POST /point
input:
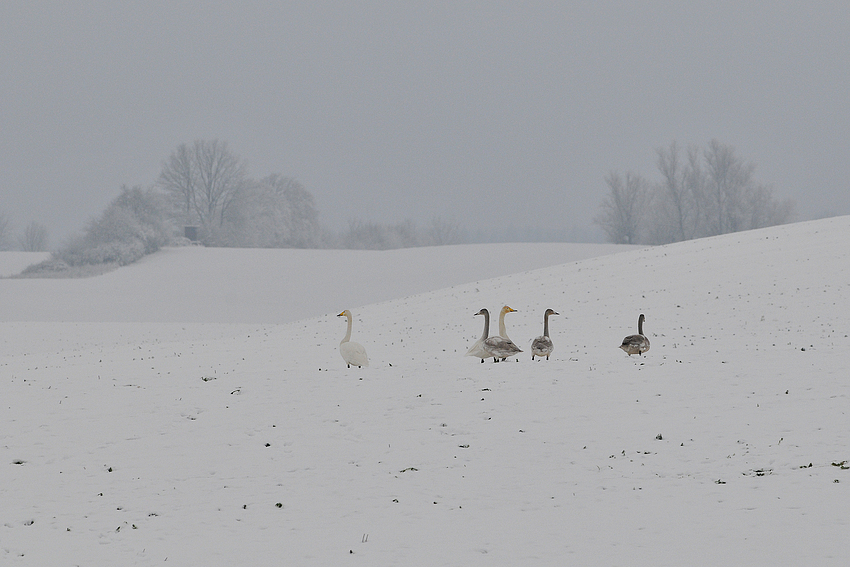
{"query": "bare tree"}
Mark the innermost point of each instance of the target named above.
(695, 180)
(729, 181)
(762, 209)
(675, 202)
(442, 231)
(204, 180)
(5, 232)
(179, 179)
(707, 192)
(33, 238)
(624, 208)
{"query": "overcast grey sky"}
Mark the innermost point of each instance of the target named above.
(494, 114)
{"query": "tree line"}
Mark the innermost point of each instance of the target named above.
(208, 187)
(204, 193)
(702, 192)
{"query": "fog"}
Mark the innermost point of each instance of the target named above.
(505, 117)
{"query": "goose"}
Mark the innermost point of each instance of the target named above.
(542, 345)
(478, 348)
(636, 344)
(501, 347)
(352, 353)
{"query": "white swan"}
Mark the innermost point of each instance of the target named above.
(478, 348)
(502, 331)
(542, 345)
(501, 347)
(636, 344)
(352, 353)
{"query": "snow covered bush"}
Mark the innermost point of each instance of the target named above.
(133, 225)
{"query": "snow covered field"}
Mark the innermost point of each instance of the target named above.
(227, 285)
(234, 434)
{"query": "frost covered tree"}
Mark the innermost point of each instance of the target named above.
(204, 180)
(134, 224)
(276, 212)
(296, 217)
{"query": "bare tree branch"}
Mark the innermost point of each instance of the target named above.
(206, 179)
(33, 238)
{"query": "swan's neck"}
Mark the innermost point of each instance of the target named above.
(546, 325)
(640, 325)
(348, 332)
(502, 331)
(486, 332)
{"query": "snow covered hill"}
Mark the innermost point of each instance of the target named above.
(260, 285)
(252, 443)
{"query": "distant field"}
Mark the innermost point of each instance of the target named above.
(227, 285)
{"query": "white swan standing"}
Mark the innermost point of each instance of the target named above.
(501, 347)
(352, 353)
(478, 348)
(636, 344)
(542, 345)
(502, 331)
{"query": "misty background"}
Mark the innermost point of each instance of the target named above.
(503, 117)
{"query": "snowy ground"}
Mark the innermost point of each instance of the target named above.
(235, 441)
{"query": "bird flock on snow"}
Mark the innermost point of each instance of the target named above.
(499, 347)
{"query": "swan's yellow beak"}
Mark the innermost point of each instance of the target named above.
(341, 314)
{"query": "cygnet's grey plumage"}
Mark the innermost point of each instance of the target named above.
(501, 347)
(542, 345)
(636, 344)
